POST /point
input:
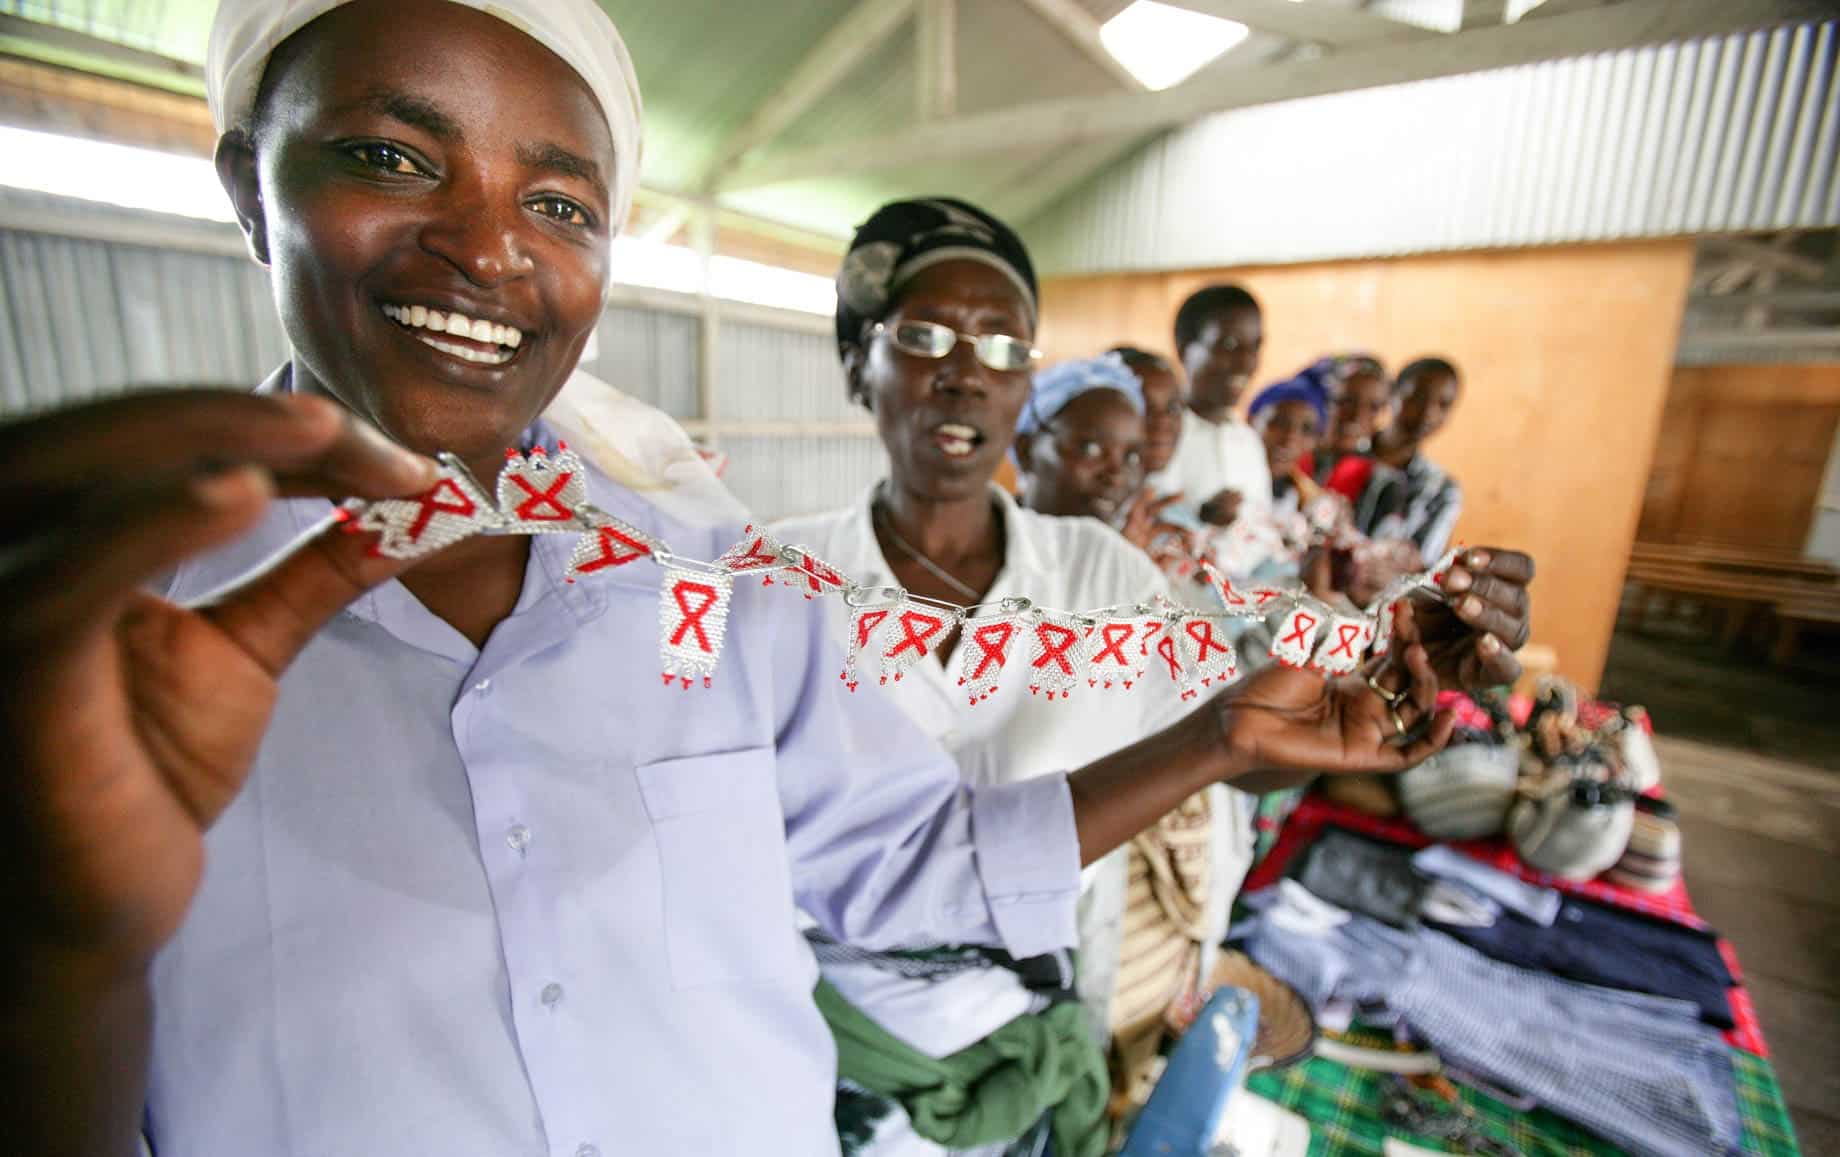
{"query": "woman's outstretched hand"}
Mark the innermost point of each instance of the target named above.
(128, 723)
(1281, 726)
(1472, 637)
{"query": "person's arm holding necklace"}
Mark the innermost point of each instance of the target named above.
(129, 722)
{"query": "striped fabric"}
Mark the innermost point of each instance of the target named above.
(1165, 925)
(1651, 863)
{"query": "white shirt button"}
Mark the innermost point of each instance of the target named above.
(551, 995)
(518, 838)
(587, 1150)
(482, 686)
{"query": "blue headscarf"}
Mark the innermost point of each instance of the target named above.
(1057, 386)
(1310, 386)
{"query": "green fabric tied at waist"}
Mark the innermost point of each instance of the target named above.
(993, 1090)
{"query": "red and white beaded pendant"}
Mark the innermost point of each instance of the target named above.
(1059, 652)
(541, 495)
(1207, 657)
(985, 652)
(914, 630)
(454, 508)
(692, 621)
(1119, 648)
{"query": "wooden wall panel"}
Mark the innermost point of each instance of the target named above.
(1566, 353)
(1742, 454)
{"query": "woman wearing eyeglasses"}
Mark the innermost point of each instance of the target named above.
(935, 324)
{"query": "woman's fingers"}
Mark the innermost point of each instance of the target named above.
(274, 613)
(310, 444)
(1428, 743)
(1422, 691)
(59, 580)
(1508, 626)
(1490, 664)
(1510, 565)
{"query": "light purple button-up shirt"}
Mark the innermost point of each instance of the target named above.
(530, 900)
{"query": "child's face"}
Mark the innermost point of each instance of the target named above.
(1224, 356)
(1362, 407)
(1290, 431)
(1426, 403)
(1163, 402)
(1089, 459)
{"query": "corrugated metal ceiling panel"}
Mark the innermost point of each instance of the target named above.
(1729, 134)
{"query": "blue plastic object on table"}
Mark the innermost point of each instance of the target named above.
(1208, 1067)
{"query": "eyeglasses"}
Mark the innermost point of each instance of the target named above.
(926, 339)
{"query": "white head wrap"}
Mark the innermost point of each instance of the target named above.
(247, 32)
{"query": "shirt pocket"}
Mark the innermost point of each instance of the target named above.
(728, 911)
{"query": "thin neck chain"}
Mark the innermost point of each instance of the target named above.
(912, 552)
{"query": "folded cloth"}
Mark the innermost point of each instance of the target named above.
(1363, 875)
(1596, 944)
(993, 1091)
(1641, 1071)
(1540, 905)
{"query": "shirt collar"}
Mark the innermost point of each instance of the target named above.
(1021, 551)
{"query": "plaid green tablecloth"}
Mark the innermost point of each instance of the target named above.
(1344, 1108)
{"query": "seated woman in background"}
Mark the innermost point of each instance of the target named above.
(1424, 396)
(936, 341)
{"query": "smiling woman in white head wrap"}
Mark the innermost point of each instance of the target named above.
(634, 444)
(428, 860)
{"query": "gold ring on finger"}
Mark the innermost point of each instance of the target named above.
(1387, 697)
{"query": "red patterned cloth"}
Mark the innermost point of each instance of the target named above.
(1307, 822)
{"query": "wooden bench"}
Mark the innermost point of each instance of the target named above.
(1794, 614)
(1797, 590)
(1736, 559)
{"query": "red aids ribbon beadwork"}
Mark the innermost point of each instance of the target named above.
(451, 509)
(1058, 654)
(864, 622)
(1343, 645)
(756, 552)
(1265, 599)
(917, 629)
(1206, 653)
(1297, 632)
(692, 621)
(539, 494)
(1171, 656)
(1230, 597)
(986, 650)
(612, 543)
(812, 578)
(1119, 652)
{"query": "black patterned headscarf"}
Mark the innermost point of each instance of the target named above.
(905, 237)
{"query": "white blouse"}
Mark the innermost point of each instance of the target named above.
(1215, 456)
(1069, 564)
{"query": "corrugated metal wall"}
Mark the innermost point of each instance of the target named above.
(81, 317)
(1730, 134)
